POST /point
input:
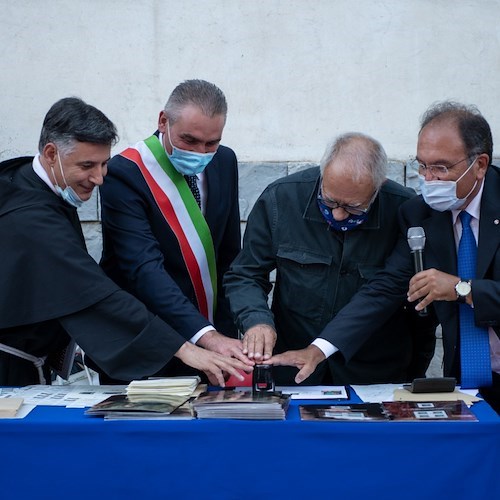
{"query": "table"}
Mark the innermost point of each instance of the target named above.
(60, 452)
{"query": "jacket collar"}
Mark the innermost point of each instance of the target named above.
(438, 227)
(489, 222)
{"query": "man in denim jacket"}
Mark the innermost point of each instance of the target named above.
(326, 232)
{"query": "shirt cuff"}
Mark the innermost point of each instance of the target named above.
(325, 347)
(197, 336)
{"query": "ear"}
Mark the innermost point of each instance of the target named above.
(482, 163)
(162, 122)
(49, 153)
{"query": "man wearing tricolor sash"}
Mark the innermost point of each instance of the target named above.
(171, 224)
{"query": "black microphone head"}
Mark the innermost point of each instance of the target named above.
(416, 238)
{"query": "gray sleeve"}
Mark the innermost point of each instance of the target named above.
(247, 283)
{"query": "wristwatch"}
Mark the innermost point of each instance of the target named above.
(463, 289)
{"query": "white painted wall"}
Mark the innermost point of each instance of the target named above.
(295, 72)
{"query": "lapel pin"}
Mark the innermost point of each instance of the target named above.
(496, 222)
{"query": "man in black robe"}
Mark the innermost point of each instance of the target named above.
(52, 290)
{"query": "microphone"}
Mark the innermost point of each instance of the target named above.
(416, 241)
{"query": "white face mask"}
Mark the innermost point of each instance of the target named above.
(442, 195)
(68, 194)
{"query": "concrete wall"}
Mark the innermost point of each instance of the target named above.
(295, 72)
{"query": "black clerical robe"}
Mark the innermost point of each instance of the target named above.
(52, 289)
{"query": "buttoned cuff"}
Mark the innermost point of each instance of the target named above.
(325, 347)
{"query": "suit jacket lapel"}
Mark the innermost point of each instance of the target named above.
(441, 241)
(213, 184)
(489, 222)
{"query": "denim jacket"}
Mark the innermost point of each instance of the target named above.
(318, 270)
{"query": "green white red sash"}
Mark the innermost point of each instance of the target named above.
(182, 214)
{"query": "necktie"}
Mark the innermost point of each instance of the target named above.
(192, 183)
(474, 340)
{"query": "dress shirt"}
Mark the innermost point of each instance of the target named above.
(40, 171)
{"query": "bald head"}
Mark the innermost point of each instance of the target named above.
(358, 157)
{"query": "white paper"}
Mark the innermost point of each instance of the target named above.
(24, 410)
(376, 393)
(86, 396)
(314, 391)
(71, 396)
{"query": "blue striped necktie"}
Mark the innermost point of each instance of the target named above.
(474, 340)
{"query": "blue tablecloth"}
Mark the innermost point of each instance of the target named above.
(61, 453)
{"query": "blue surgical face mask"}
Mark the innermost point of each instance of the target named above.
(68, 194)
(348, 224)
(188, 162)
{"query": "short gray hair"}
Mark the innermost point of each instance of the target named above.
(71, 120)
(205, 95)
(367, 155)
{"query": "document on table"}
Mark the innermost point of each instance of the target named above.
(71, 396)
(315, 391)
(24, 409)
(378, 393)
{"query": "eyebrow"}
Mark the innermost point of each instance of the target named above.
(438, 162)
(189, 137)
(85, 163)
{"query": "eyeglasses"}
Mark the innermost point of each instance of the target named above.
(332, 204)
(435, 170)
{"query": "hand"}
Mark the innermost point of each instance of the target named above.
(431, 285)
(213, 364)
(306, 360)
(259, 341)
(216, 342)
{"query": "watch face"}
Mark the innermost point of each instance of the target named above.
(462, 288)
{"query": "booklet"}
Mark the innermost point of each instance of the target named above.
(241, 405)
(9, 407)
(183, 412)
(122, 403)
(158, 388)
(395, 411)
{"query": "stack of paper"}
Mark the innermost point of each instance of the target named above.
(9, 407)
(241, 405)
(152, 399)
(162, 389)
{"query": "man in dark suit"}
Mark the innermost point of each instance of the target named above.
(454, 154)
(170, 219)
(52, 290)
(326, 231)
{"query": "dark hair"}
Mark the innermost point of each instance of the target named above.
(474, 130)
(72, 120)
(207, 96)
